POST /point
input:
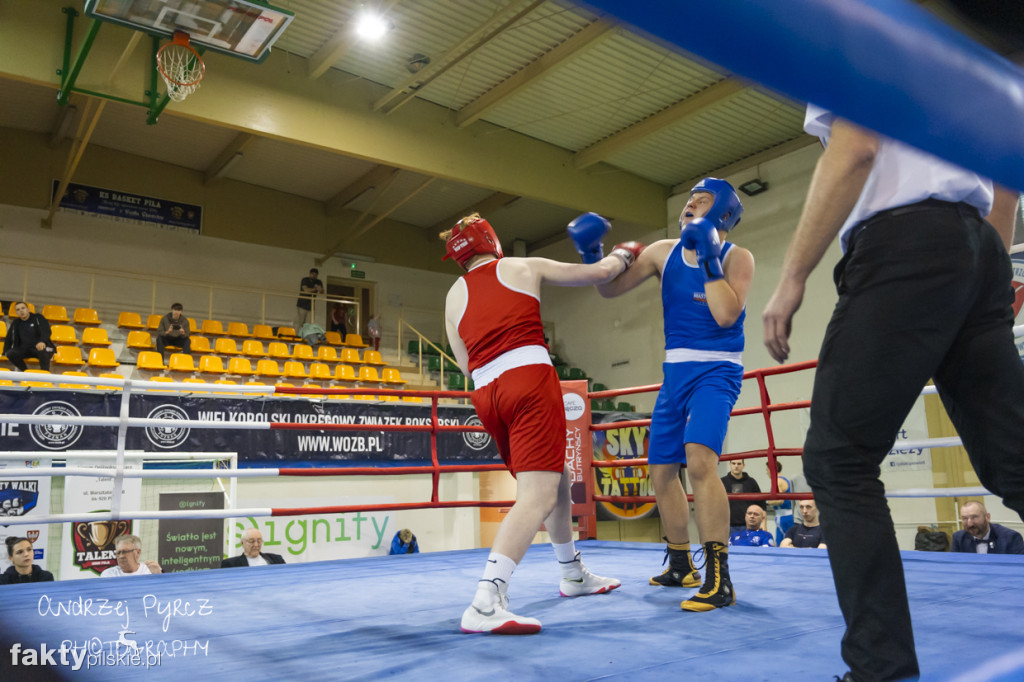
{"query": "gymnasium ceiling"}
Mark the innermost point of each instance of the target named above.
(529, 111)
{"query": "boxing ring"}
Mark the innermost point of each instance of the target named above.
(397, 616)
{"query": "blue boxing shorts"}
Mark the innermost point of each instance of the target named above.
(693, 407)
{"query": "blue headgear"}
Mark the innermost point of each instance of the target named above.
(726, 202)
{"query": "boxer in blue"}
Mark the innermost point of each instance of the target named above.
(704, 284)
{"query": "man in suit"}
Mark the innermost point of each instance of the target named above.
(981, 536)
(252, 543)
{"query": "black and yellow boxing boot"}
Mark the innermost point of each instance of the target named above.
(717, 590)
(680, 572)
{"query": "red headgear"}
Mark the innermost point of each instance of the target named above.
(471, 237)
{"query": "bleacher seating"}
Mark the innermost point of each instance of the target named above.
(392, 376)
(319, 371)
(434, 365)
(3, 330)
(95, 336)
(87, 317)
(199, 344)
(103, 358)
(213, 328)
(239, 330)
(150, 361)
(225, 346)
(130, 321)
(293, 369)
(55, 314)
(368, 375)
(253, 348)
(287, 333)
(74, 373)
(240, 367)
(278, 350)
(354, 341)
(110, 375)
(153, 321)
(327, 354)
(350, 356)
(268, 368)
(211, 364)
(63, 335)
(263, 331)
(334, 338)
(68, 355)
(139, 340)
(372, 357)
(345, 374)
(182, 362)
(303, 352)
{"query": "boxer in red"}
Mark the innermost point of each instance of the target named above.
(492, 315)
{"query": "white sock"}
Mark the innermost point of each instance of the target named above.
(566, 554)
(498, 571)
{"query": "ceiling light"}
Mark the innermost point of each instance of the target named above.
(371, 26)
(417, 62)
(753, 187)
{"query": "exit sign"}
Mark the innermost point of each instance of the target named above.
(358, 274)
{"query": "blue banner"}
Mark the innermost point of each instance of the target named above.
(127, 207)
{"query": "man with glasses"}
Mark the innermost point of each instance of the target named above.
(128, 549)
(252, 543)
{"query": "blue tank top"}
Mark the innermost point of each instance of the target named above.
(688, 321)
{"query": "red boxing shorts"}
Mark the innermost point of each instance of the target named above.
(522, 410)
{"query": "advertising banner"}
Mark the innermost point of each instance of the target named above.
(132, 208)
(625, 443)
(190, 544)
(25, 497)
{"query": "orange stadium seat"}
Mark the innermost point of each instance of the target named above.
(153, 321)
(345, 373)
(333, 338)
(263, 331)
(213, 328)
(294, 370)
(319, 371)
(354, 341)
(130, 321)
(87, 316)
(392, 376)
(139, 340)
(368, 375)
(200, 344)
(268, 368)
(95, 336)
(301, 351)
(351, 356)
(68, 355)
(102, 358)
(55, 313)
(240, 367)
(278, 350)
(239, 330)
(253, 348)
(182, 362)
(327, 354)
(211, 364)
(150, 361)
(372, 357)
(225, 346)
(63, 335)
(74, 373)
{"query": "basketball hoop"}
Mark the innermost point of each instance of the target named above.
(180, 66)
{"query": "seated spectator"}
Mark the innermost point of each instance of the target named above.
(808, 533)
(128, 549)
(374, 329)
(738, 481)
(981, 536)
(173, 331)
(752, 535)
(252, 543)
(404, 542)
(19, 551)
(28, 336)
(783, 508)
(338, 317)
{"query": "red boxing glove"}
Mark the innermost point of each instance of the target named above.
(628, 252)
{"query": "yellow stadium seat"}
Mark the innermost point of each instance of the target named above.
(37, 384)
(351, 356)
(240, 367)
(162, 380)
(225, 346)
(139, 340)
(150, 361)
(255, 383)
(284, 384)
(345, 373)
(319, 371)
(338, 396)
(153, 321)
(130, 321)
(333, 338)
(68, 355)
(111, 376)
(87, 316)
(392, 376)
(253, 348)
(354, 341)
(200, 344)
(268, 368)
(368, 375)
(194, 380)
(263, 331)
(10, 308)
(6, 382)
(287, 333)
(181, 362)
(211, 364)
(412, 399)
(3, 330)
(372, 357)
(193, 326)
(327, 354)
(213, 328)
(301, 351)
(71, 385)
(95, 336)
(63, 335)
(226, 382)
(240, 330)
(56, 313)
(102, 358)
(278, 350)
(294, 370)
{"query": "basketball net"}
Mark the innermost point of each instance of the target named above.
(180, 66)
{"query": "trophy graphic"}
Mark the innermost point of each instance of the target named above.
(101, 534)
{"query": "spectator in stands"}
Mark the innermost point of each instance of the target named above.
(374, 329)
(738, 481)
(404, 542)
(751, 535)
(338, 317)
(981, 536)
(173, 331)
(783, 508)
(252, 543)
(128, 549)
(28, 336)
(808, 533)
(19, 552)
(308, 288)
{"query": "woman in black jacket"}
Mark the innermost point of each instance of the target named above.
(19, 551)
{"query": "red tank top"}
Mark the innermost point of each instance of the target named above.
(497, 319)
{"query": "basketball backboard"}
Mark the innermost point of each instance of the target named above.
(240, 28)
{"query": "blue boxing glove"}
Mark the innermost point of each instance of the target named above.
(701, 236)
(586, 232)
